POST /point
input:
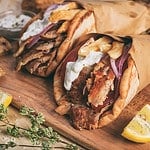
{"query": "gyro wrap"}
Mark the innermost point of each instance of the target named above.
(102, 89)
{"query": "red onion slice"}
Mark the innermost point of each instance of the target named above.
(114, 68)
(37, 37)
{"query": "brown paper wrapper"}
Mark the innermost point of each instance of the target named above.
(120, 17)
(140, 52)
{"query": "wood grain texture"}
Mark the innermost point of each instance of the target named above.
(37, 93)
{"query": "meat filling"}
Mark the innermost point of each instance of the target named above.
(84, 118)
(76, 94)
(103, 79)
(91, 93)
(41, 54)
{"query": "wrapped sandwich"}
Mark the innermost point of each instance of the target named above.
(50, 36)
(46, 40)
(100, 76)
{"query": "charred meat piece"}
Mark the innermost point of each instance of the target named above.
(84, 117)
(47, 46)
(29, 57)
(76, 93)
(54, 29)
(33, 65)
(30, 5)
(59, 40)
(103, 81)
(91, 93)
(40, 65)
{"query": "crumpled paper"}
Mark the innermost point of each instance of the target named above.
(140, 52)
(119, 17)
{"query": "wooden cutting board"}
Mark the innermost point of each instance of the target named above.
(37, 93)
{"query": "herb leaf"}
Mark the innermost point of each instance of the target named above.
(40, 135)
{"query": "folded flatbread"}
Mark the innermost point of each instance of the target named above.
(50, 36)
(100, 76)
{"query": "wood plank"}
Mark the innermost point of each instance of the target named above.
(15, 118)
(37, 93)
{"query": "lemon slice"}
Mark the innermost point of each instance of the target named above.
(138, 129)
(5, 98)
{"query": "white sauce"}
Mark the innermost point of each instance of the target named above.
(38, 26)
(11, 21)
(35, 28)
(73, 68)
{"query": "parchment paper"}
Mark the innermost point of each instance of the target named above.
(140, 52)
(120, 17)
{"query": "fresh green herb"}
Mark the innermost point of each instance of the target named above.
(7, 145)
(13, 131)
(37, 133)
(3, 112)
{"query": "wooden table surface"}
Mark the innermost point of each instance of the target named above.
(37, 93)
(15, 118)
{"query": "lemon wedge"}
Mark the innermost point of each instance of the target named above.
(5, 98)
(138, 129)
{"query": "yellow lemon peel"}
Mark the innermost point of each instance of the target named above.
(138, 129)
(5, 98)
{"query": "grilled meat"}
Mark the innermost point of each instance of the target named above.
(90, 93)
(103, 80)
(84, 117)
(76, 93)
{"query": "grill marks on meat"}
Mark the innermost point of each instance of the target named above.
(40, 65)
(103, 79)
(38, 57)
(28, 57)
(45, 47)
(94, 84)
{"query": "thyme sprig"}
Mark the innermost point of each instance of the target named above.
(3, 112)
(40, 136)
